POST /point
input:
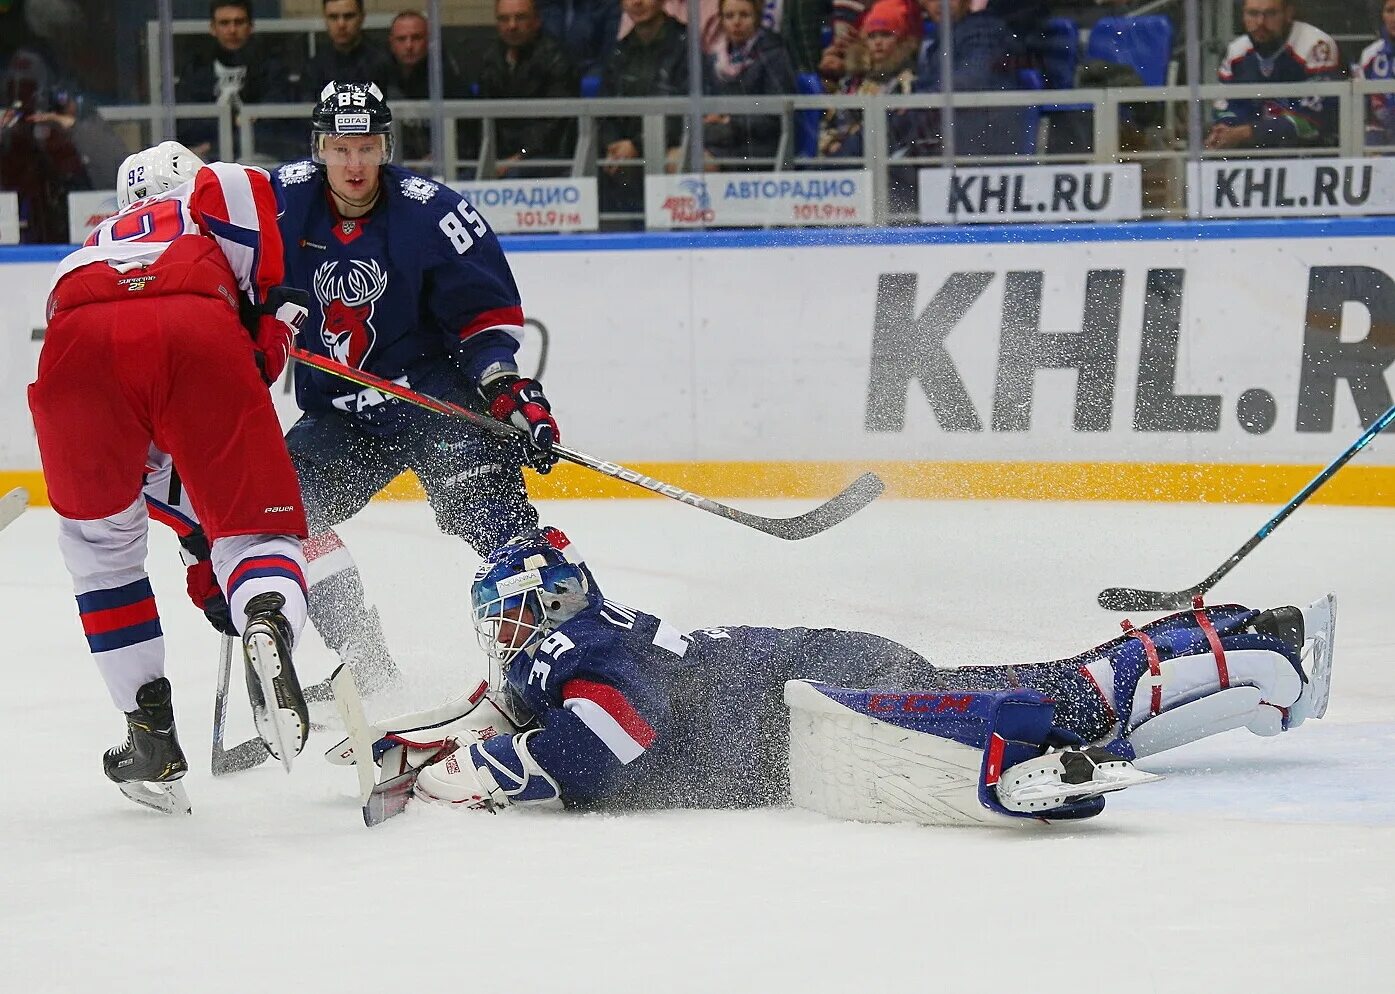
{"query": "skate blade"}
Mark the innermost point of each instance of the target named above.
(1320, 624)
(168, 797)
(1052, 792)
(281, 728)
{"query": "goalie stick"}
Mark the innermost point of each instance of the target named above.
(380, 801)
(1134, 599)
(244, 755)
(12, 505)
(857, 495)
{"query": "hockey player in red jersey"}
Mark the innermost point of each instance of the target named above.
(146, 360)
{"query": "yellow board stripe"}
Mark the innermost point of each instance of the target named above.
(1205, 482)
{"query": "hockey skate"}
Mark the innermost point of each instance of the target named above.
(1319, 630)
(278, 706)
(1065, 777)
(148, 767)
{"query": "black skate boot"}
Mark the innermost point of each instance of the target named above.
(148, 767)
(1283, 623)
(278, 706)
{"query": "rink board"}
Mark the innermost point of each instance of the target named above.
(1214, 361)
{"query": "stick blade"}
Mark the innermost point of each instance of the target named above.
(389, 799)
(240, 758)
(1133, 599)
(12, 505)
(853, 498)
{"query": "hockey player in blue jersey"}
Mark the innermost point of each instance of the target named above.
(598, 704)
(1377, 61)
(407, 282)
(1277, 48)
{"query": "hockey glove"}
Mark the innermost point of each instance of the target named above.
(278, 322)
(521, 403)
(203, 585)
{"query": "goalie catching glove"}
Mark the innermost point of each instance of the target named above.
(520, 402)
(408, 742)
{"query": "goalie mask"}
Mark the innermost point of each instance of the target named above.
(346, 114)
(527, 588)
(154, 170)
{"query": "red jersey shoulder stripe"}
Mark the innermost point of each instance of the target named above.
(610, 716)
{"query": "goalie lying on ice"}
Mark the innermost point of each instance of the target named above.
(599, 705)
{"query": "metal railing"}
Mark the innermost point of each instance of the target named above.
(1169, 149)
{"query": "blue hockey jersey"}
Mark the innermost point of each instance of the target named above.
(1309, 55)
(638, 714)
(417, 291)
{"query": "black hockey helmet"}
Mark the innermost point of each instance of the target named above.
(348, 109)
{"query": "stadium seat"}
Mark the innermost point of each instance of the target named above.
(806, 122)
(1145, 43)
(1030, 79)
(1058, 48)
(1060, 53)
(591, 85)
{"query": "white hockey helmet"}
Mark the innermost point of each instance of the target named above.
(154, 170)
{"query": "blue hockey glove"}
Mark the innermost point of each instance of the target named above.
(520, 402)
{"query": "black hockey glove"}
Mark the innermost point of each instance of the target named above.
(520, 402)
(203, 585)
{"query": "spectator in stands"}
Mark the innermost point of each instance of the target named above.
(802, 23)
(349, 57)
(1277, 48)
(650, 61)
(408, 80)
(881, 60)
(1026, 17)
(747, 60)
(39, 160)
(708, 13)
(985, 54)
(237, 70)
(1378, 62)
(848, 31)
(524, 63)
(586, 29)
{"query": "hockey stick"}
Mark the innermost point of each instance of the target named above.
(380, 801)
(244, 755)
(1133, 599)
(857, 495)
(12, 505)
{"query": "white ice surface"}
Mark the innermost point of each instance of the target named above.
(1263, 865)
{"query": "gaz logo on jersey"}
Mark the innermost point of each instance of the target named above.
(346, 292)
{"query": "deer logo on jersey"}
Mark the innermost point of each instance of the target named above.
(347, 297)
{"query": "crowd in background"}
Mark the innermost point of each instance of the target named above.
(52, 141)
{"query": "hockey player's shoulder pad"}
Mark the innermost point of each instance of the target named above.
(1235, 53)
(447, 224)
(1370, 63)
(1313, 48)
(416, 191)
(297, 185)
(297, 178)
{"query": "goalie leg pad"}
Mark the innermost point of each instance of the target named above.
(930, 758)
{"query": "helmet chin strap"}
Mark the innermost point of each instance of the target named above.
(362, 207)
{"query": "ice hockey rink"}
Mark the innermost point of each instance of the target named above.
(1258, 865)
